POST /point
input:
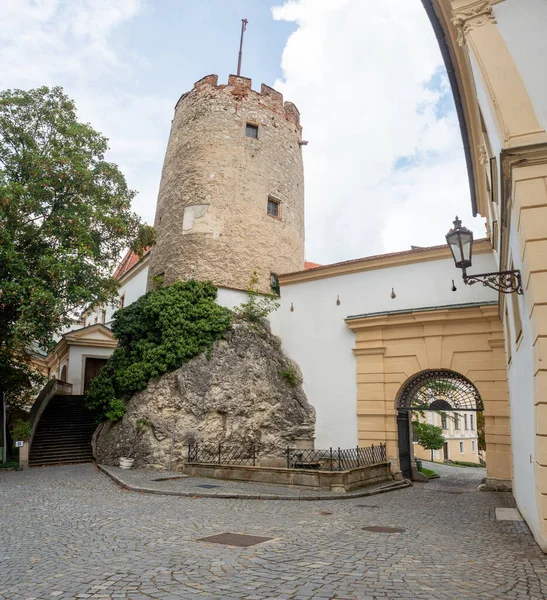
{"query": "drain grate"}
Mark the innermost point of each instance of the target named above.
(376, 529)
(208, 486)
(170, 478)
(234, 539)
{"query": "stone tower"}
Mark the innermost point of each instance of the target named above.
(231, 198)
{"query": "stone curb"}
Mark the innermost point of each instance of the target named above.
(389, 487)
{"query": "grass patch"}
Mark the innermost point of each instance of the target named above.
(12, 463)
(429, 473)
(455, 463)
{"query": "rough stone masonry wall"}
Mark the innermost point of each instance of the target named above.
(237, 395)
(211, 218)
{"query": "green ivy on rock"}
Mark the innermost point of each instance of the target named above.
(156, 334)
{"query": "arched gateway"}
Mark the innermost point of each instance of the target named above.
(462, 347)
(431, 390)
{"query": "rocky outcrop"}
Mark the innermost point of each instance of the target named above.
(245, 391)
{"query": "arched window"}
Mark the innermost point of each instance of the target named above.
(63, 373)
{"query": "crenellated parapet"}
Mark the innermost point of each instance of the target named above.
(240, 88)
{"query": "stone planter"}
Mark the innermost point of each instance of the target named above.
(126, 463)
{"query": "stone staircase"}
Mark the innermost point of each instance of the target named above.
(63, 434)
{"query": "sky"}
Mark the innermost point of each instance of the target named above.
(384, 167)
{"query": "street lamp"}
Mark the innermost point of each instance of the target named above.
(460, 241)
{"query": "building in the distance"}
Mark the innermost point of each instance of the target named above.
(460, 432)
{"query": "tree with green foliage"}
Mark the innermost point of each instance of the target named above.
(65, 220)
(430, 437)
(258, 306)
(481, 437)
(156, 334)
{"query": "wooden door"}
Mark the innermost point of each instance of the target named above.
(445, 451)
(92, 368)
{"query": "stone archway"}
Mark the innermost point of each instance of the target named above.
(431, 390)
(391, 348)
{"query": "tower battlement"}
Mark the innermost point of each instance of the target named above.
(241, 88)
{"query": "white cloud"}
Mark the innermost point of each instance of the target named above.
(73, 43)
(359, 70)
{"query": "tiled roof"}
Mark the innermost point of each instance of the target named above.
(414, 250)
(310, 265)
(128, 262)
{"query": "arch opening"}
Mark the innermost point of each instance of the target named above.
(439, 389)
(454, 399)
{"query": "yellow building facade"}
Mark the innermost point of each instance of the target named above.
(495, 52)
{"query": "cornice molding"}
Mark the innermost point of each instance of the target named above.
(383, 261)
(474, 15)
(488, 311)
(369, 351)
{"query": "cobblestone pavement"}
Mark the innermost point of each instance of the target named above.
(69, 532)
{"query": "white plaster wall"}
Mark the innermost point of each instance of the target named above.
(523, 23)
(521, 393)
(317, 338)
(231, 298)
(76, 364)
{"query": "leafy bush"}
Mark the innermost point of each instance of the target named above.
(258, 306)
(21, 430)
(156, 334)
(290, 375)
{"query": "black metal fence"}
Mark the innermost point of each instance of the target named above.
(222, 454)
(333, 459)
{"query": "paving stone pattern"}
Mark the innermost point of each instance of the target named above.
(70, 532)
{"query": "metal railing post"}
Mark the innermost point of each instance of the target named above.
(331, 458)
(339, 457)
(288, 457)
(219, 451)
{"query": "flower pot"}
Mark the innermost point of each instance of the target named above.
(126, 463)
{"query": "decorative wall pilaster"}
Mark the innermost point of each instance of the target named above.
(476, 26)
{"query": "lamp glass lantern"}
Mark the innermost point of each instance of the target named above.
(460, 241)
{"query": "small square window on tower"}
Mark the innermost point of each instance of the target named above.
(251, 130)
(273, 207)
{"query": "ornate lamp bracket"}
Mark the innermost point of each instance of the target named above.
(506, 282)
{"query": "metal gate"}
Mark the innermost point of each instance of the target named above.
(403, 429)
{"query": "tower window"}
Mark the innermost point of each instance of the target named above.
(251, 130)
(273, 207)
(122, 300)
(274, 283)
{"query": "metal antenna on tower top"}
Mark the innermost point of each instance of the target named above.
(243, 28)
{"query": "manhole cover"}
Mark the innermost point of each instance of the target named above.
(234, 539)
(169, 478)
(376, 529)
(208, 486)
